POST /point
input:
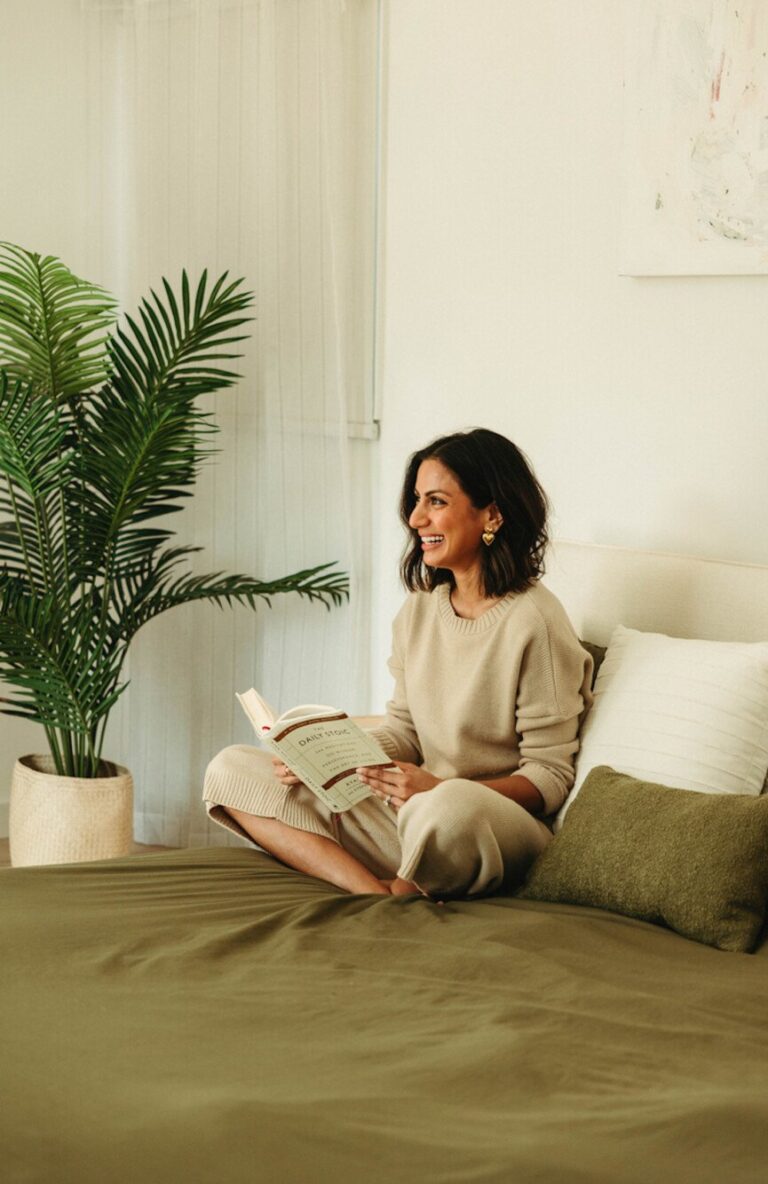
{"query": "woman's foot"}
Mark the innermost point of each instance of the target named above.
(398, 887)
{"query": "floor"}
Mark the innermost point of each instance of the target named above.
(138, 848)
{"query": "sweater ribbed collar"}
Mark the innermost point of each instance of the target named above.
(480, 624)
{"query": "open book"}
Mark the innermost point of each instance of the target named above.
(321, 745)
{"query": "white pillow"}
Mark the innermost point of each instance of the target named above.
(688, 714)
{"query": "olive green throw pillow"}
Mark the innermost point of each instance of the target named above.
(696, 862)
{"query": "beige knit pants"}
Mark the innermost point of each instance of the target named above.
(458, 839)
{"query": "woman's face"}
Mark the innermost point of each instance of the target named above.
(449, 525)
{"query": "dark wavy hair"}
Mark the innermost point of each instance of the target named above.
(489, 468)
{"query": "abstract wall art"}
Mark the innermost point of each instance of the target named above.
(695, 195)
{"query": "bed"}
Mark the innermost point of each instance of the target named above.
(208, 1014)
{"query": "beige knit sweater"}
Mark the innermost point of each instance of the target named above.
(484, 698)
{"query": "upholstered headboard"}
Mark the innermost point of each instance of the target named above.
(602, 587)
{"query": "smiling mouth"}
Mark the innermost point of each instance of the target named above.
(431, 540)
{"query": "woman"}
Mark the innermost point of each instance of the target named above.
(490, 687)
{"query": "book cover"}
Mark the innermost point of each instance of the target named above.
(321, 745)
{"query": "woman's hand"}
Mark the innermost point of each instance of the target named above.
(398, 782)
(284, 774)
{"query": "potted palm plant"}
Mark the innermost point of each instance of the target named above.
(101, 435)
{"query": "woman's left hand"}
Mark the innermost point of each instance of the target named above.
(398, 782)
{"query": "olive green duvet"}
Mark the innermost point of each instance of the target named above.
(209, 1016)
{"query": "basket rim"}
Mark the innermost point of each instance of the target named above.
(32, 761)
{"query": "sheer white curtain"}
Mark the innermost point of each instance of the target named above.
(241, 135)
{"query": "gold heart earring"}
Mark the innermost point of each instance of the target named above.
(488, 536)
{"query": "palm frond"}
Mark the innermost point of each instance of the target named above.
(31, 440)
(138, 466)
(151, 593)
(53, 326)
(62, 676)
(146, 437)
(35, 465)
(20, 551)
(167, 355)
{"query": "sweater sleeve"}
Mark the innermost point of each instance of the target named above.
(397, 735)
(552, 697)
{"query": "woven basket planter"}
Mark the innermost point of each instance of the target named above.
(57, 819)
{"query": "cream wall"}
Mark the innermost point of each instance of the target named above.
(643, 403)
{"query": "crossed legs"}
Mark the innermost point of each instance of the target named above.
(316, 856)
(459, 839)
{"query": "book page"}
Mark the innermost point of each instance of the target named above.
(259, 712)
